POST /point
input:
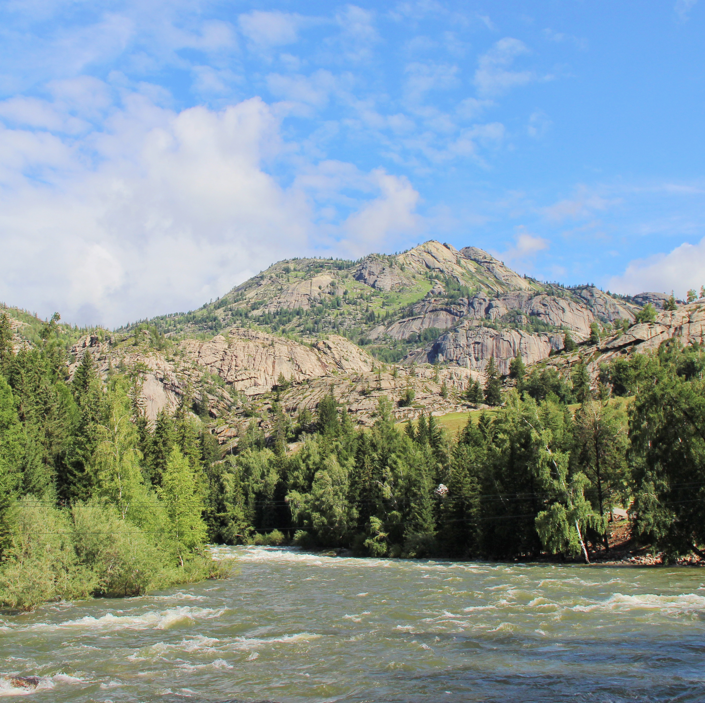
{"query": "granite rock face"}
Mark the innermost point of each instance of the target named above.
(497, 268)
(687, 324)
(380, 274)
(252, 361)
(471, 346)
(658, 300)
(605, 307)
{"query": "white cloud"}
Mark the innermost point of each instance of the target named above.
(311, 90)
(358, 34)
(683, 8)
(167, 210)
(423, 77)
(678, 271)
(494, 75)
(269, 29)
(379, 221)
(561, 37)
(470, 108)
(526, 247)
(583, 204)
(539, 124)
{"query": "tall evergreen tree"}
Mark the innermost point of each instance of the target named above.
(517, 369)
(493, 385)
(581, 382)
(6, 348)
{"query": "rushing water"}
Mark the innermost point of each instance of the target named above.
(294, 627)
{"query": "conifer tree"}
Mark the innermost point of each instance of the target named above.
(327, 421)
(569, 344)
(493, 385)
(517, 369)
(601, 443)
(6, 350)
(161, 445)
(116, 461)
(474, 392)
(594, 333)
(581, 381)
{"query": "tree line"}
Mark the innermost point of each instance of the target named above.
(537, 475)
(97, 500)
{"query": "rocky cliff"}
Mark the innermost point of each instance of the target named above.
(687, 324)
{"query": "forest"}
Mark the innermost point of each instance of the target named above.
(97, 500)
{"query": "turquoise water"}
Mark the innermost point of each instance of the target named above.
(294, 627)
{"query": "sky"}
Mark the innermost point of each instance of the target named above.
(156, 153)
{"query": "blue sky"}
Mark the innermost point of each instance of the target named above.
(153, 154)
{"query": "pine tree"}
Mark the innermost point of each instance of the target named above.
(581, 382)
(474, 392)
(74, 476)
(161, 446)
(493, 385)
(594, 333)
(6, 350)
(517, 368)
(328, 415)
(601, 443)
(569, 344)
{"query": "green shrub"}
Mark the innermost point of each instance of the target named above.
(41, 564)
(275, 538)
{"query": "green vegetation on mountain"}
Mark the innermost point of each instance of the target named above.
(391, 304)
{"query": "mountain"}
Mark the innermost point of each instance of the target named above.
(416, 327)
(432, 304)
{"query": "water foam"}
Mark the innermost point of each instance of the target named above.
(248, 643)
(199, 643)
(156, 620)
(687, 603)
(46, 683)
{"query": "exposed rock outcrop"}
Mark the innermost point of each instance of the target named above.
(605, 307)
(380, 274)
(252, 361)
(510, 278)
(658, 300)
(471, 346)
(687, 324)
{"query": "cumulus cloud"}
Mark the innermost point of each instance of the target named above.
(678, 271)
(166, 210)
(526, 247)
(494, 75)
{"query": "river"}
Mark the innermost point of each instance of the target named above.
(294, 627)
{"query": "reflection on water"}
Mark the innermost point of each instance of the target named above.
(292, 627)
